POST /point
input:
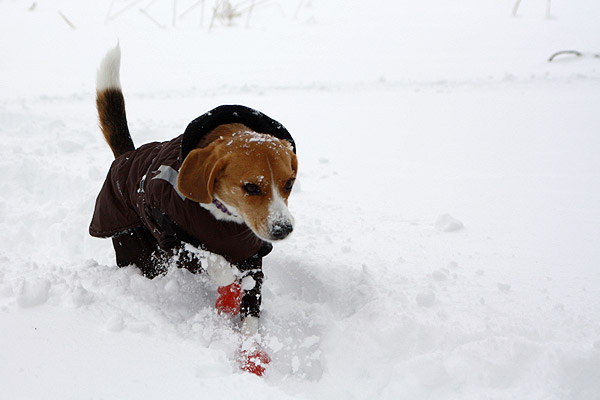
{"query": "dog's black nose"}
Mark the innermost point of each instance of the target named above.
(281, 230)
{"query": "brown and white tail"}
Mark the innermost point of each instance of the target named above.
(111, 105)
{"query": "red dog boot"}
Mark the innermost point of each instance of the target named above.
(229, 300)
(254, 361)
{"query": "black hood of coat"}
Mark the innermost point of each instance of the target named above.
(228, 114)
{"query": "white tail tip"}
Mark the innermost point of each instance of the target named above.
(107, 76)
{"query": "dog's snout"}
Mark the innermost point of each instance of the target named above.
(281, 230)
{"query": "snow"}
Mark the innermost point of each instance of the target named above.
(447, 223)
(402, 112)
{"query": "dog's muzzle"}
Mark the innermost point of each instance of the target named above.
(281, 230)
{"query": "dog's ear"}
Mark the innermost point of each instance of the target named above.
(294, 163)
(294, 159)
(198, 173)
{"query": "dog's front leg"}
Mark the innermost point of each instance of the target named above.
(251, 284)
(219, 270)
(238, 295)
(242, 295)
(229, 292)
(252, 357)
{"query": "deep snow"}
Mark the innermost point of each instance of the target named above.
(447, 208)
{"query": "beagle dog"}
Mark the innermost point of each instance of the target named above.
(212, 199)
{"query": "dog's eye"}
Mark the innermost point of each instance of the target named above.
(252, 189)
(288, 185)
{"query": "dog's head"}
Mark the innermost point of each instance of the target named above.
(251, 173)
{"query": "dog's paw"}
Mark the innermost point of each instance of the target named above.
(229, 300)
(254, 361)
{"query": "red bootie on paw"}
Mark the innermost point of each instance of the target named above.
(254, 362)
(229, 300)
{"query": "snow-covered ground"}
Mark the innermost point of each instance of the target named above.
(448, 206)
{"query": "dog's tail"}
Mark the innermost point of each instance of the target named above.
(111, 105)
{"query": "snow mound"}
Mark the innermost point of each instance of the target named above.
(447, 223)
(32, 292)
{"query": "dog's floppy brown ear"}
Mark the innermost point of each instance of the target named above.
(198, 173)
(294, 159)
(294, 163)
